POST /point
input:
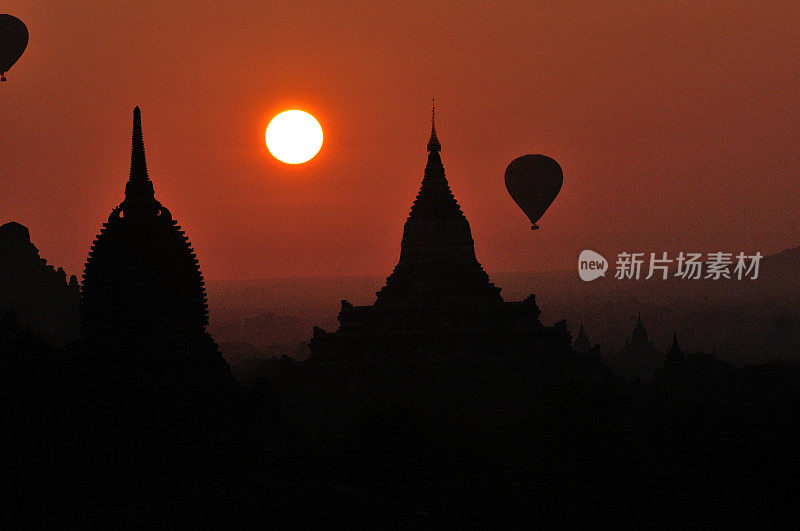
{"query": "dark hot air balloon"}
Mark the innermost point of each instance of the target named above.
(533, 182)
(13, 41)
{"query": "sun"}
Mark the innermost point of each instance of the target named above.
(294, 137)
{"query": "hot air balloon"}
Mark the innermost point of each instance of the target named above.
(533, 182)
(13, 41)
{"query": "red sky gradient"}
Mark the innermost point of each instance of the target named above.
(677, 126)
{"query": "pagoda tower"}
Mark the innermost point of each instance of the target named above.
(582, 344)
(639, 357)
(437, 263)
(675, 359)
(438, 301)
(142, 279)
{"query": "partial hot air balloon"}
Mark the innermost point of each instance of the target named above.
(533, 182)
(13, 41)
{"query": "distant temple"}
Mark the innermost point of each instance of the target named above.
(639, 357)
(38, 294)
(582, 345)
(675, 359)
(438, 300)
(142, 281)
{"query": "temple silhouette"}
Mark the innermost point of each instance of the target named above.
(438, 300)
(582, 345)
(38, 294)
(675, 358)
(639, 357)
(142, 284)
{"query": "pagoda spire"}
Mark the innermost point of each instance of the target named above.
(435, 197)
(138, 163)
(437, 252)
(582, 345)
(433, 143)
(675, 361)
(139, 189)
(675, 350)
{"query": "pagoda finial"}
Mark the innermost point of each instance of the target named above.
(675, 353)
(433, 143)
(139, 189)
(676, 348)
(138, 163)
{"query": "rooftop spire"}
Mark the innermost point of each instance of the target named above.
(435, 197)
(433, 143)
(139, 189)
(675, 349)
(437, 253)
(138, 163)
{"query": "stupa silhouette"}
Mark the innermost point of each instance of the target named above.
(142, 279)
(639, 357)
(438, 300)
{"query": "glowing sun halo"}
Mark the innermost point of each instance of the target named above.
(294, 137)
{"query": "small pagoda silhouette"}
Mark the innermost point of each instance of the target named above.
(639, 357)
(438, 300)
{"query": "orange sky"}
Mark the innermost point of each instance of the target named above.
(678, 127)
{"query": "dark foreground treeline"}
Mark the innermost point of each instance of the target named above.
(135, 436)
